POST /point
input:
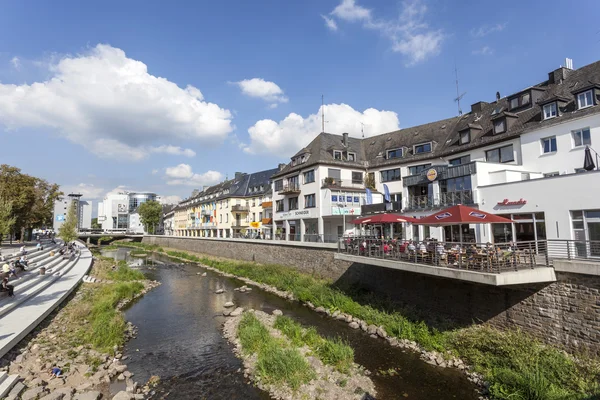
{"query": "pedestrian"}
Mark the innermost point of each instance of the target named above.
(55, 372)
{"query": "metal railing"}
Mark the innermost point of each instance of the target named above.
(239, 208)
(571, 250)
(330, 182)
(445, 199)
(289, 187)
(394, 206)
(482, 257)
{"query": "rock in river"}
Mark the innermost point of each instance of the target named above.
(228, 304)
(237, 311)
(219, 291)
(353, 325)
(277, 312)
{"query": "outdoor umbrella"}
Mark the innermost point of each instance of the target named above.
(460, 214)
(588, 161)
(384, 219)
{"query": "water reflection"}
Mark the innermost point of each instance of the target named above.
(180, 340)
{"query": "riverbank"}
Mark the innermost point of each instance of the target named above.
(512, 364)
(83, 338)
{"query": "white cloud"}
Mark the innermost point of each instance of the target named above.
(173, 199)
(16, 62)
(485, 30)
(182, 174)
(484, 51)
(330, 23)
(87, 190)
(112, 106)
(410, 35)
(154, 171)
(259, 88)
(294, 132)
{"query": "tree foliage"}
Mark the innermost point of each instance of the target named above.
(7, 219)
(150, 212)
(32, 198)
(96, 224)
(68, 230)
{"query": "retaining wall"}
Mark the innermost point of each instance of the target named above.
(565, 313)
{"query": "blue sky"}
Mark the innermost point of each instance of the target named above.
(168, 97)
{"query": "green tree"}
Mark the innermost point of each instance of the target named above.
(68, 230)
(7, 219)
(95, 224)
(150, 212)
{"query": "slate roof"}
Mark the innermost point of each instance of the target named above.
(561, 85)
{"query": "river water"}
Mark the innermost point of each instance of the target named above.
(180, 340)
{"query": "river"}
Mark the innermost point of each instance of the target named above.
(180, 340)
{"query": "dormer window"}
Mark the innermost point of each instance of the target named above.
(520, 100)
(550, 111)
(465, 136)
(499, 125)
(422, 148)
(396, 153)
(351, 156)
(337, 155)
(294, 161)
(585, 99)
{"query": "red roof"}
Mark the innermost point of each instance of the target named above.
(462, 215)
(384, 219)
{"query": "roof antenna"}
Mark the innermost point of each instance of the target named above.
(322, 114)
(458, 96)
(362, 129)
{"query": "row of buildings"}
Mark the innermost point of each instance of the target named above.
(519, 156)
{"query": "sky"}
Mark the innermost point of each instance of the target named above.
(172, 96)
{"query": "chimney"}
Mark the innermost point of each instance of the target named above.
(560, 74)
(497, 96)
(345, 139)
(238, 175)
(476, 108)
(281, 166)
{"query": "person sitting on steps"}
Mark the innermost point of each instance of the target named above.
(7, 288)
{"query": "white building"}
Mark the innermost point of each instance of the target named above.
(115, 210)
(83, 210)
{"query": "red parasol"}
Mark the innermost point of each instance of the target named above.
(462, 215)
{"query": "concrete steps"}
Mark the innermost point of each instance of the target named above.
(6, 383)
(90, 279)
(16, 391)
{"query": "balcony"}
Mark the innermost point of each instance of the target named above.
(267, 221)
(240, 224)
(289, 188)
(267, 204)
(395, 206)
(446, 199)
(239, 208)
(336, 183)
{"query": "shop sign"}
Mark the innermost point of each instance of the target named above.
(60, 218)
(255, 224)
(443, 215)
(345, 211)
(432, 175)
(507, 202)
(297, 214)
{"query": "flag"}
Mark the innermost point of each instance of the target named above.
(369, 196)
(386, 192)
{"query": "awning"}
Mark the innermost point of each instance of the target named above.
(384, 219)
(460, 214)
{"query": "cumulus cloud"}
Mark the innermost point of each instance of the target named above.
(261, 89)
(173, 199)
(16, 62)
(485, 30)
(87, 190)
(484, 51)
(409, 34)
(182, 174)
(330, 23)
(294, 132)
(113, 106)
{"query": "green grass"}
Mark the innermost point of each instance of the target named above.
(277, 363)
(498, 355)
(333, 352)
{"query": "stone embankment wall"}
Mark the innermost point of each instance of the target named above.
(565, 313)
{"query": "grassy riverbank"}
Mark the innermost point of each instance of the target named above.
(515, 364)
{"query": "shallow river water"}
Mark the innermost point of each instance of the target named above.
(180, 340)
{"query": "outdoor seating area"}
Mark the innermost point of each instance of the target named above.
(484, 257)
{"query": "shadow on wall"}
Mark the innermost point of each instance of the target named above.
(442, 303)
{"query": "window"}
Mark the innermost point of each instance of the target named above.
(334, 198)
(500, 155)
(309, 201)
(585, 99)
(460, 161)
(309, 176)
(226, 218)
(220, 218)
(520, 101)
(260, 214)
(581, 137)
(551, 174)
(550, 111)
(351, 156)
(292, 203)
(337, 155)
(525, 98)
(500, 125)
(416, 169)
(422, 148)
(278, 185)
(357, 177)
(514, 103)
(549, 145)
(459, 184)
(253, 217)
(465, 136)
(390, 175)
(279, 205)
(396, 153)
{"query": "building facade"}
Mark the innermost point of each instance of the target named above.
(117, 212)
(83, 210)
